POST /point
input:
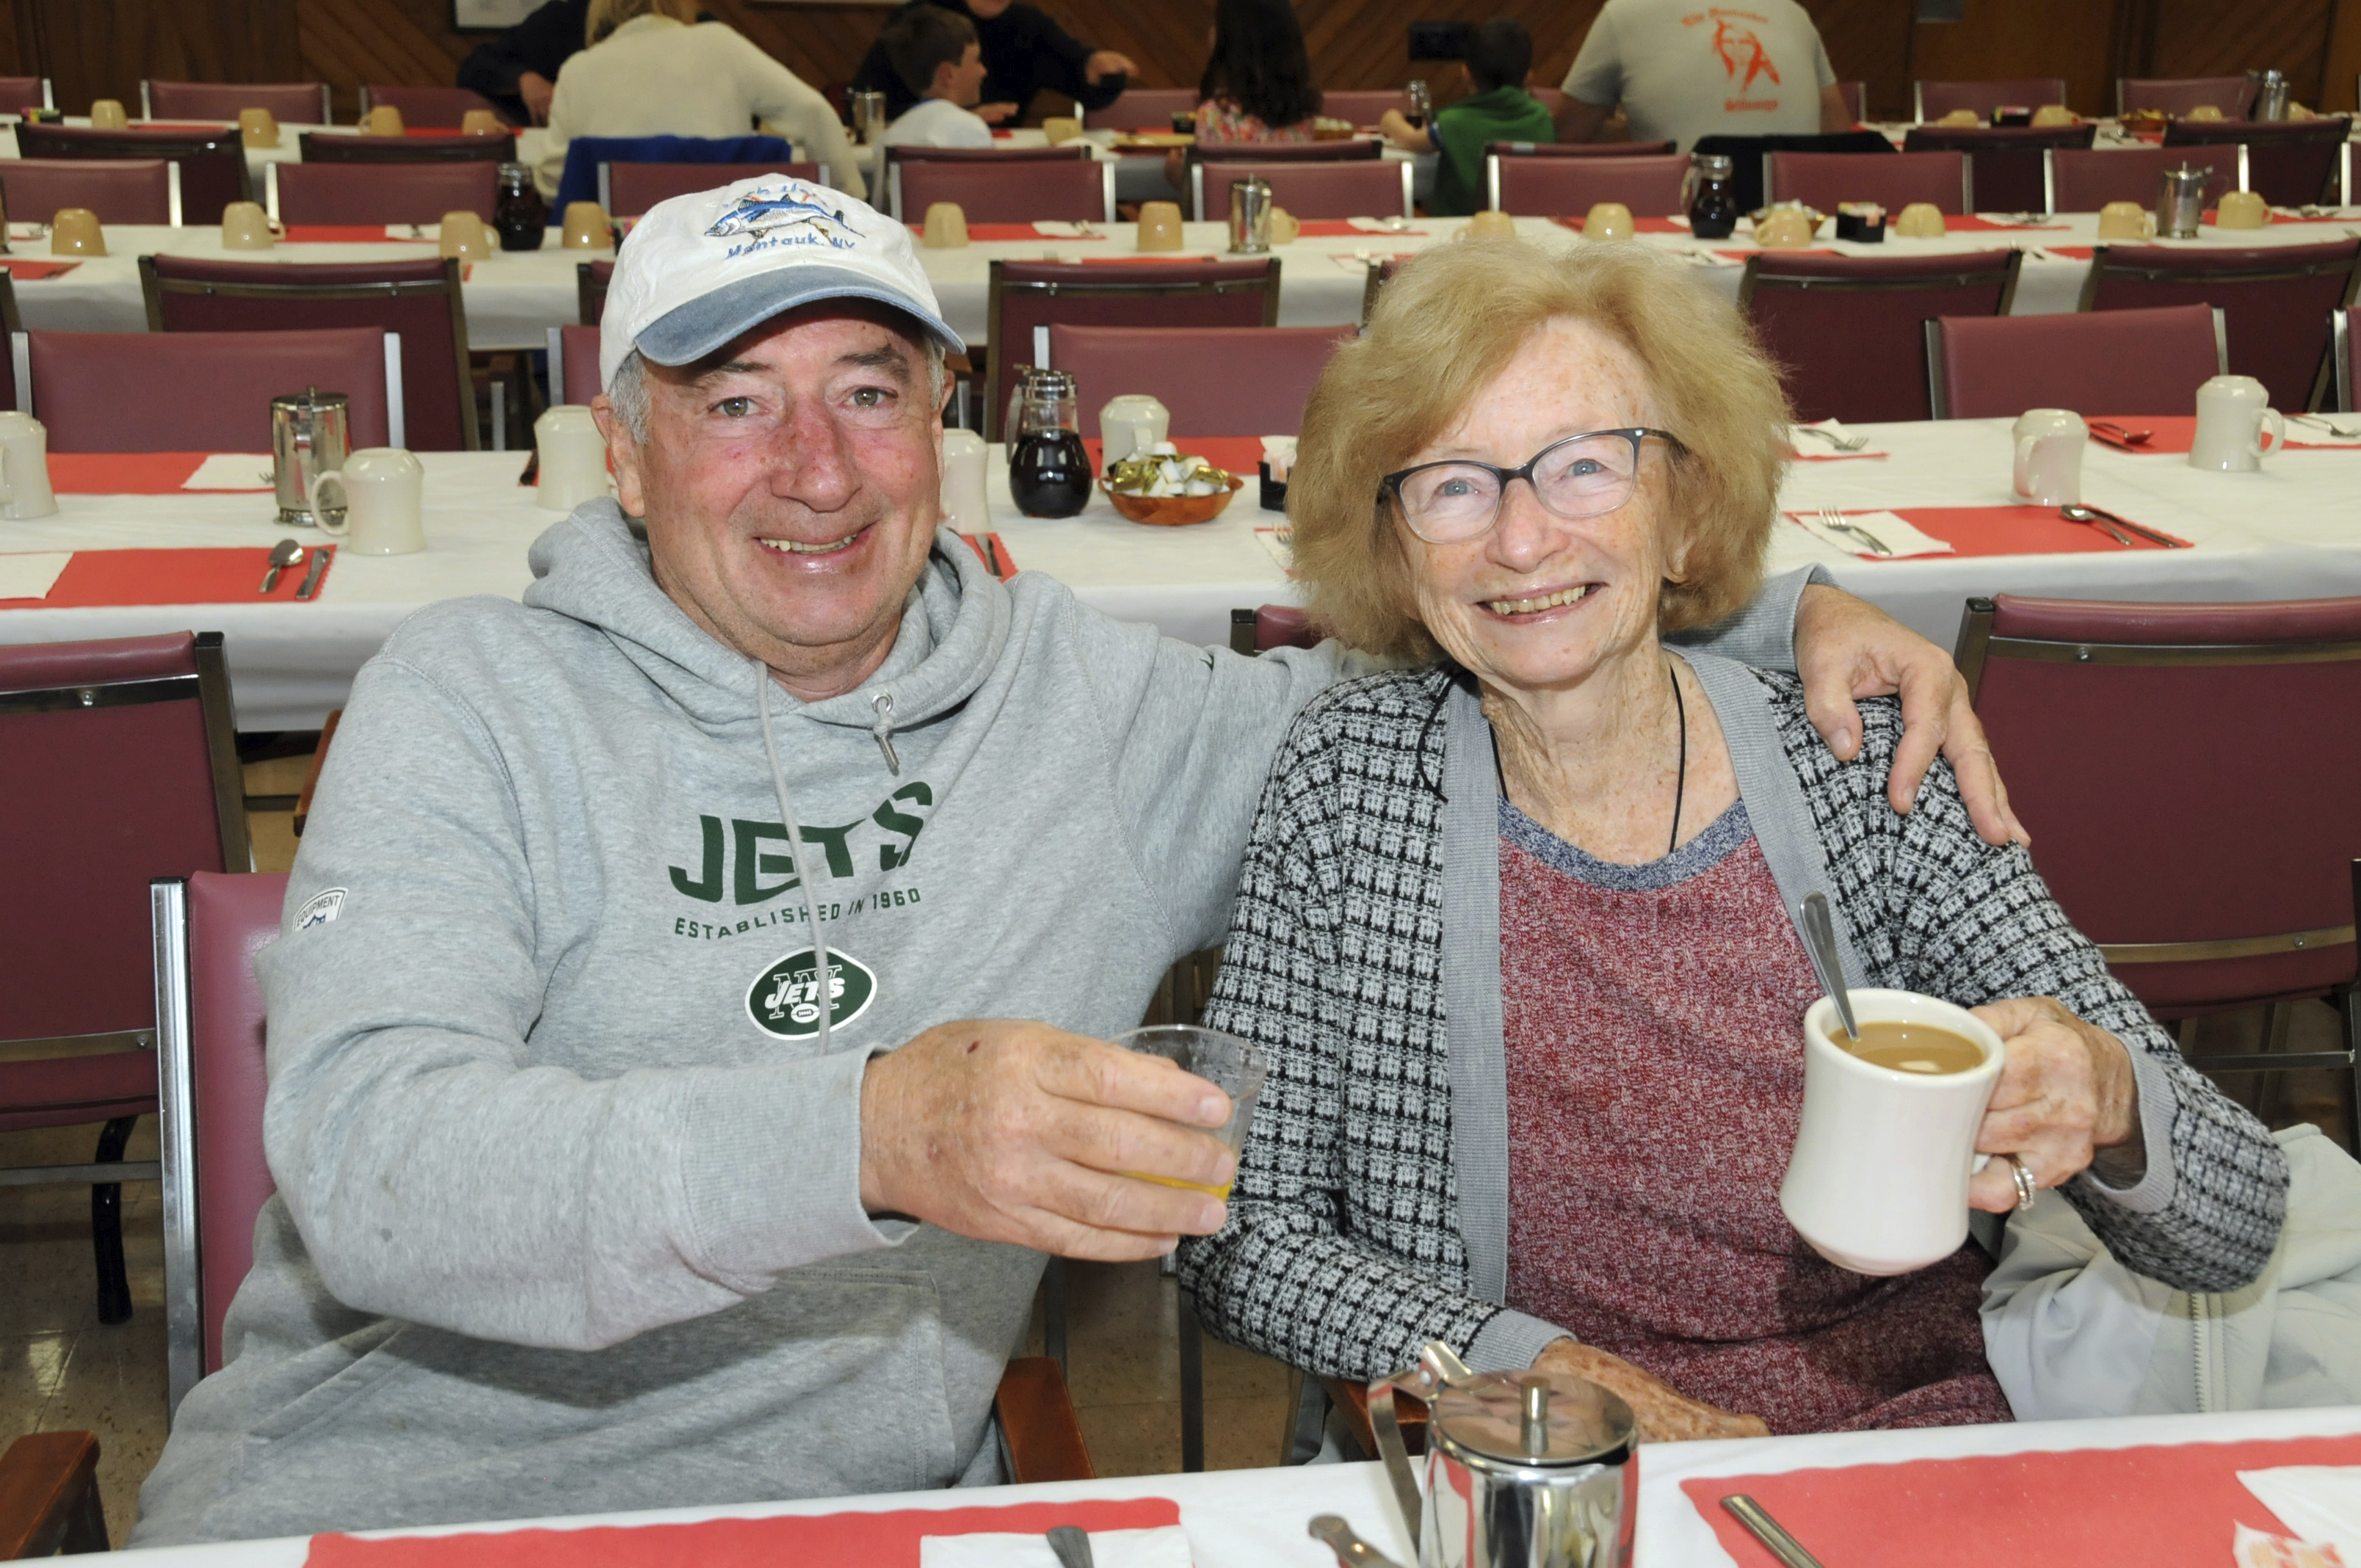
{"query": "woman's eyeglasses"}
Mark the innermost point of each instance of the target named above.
(1583, 476)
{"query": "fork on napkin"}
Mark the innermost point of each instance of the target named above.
(1876, 536)
(1822, 439)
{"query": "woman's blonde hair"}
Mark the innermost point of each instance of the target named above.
(605, 15)
(1451, 321)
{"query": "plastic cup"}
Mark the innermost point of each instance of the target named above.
(1227, 1062)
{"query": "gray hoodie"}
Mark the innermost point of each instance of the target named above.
(569, 1213)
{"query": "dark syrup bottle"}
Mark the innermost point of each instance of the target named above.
(519, 215)
(1048, 473)
(1713, 207)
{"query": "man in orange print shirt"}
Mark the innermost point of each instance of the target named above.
(1682, 70)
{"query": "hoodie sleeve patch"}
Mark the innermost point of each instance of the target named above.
(322, 908)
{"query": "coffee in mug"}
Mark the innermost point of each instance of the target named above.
(1906, 1046)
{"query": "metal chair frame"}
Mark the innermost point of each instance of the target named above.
(175, 150)
(1197, 188)
(591, 291)
(1940, 401)
(1966, 278)
(2340, 338)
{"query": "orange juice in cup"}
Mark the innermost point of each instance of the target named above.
(1227, 1062)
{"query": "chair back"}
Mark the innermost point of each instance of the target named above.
(2213, 881)
(1821, 180)
(428, 108)
(2006, 172)
(1850, 329)
(379, 193)
(207, 931)
(2290, 163)
(119, 190)
(1856, 99)
(1577, 148)
(1270, 626)
(1933, 99)
(2277, 301)
(420, 300)
(1225, 380)
(1748, 155)
(2347, 350)
(1569, 187)
(1352, 190)
(574, 363)
(1027, 297)
(199, 391)
(341, 147)
(1062, 190)
(2176, 95)
(584, 155)
(1362, 106)
(2131, 362)
(629, 190)
(1357, 150)
(1142, 109)
(213, 165)
(291, 102)
(118, 764)
(2084, 179)
(590, 281)
(11, 395)
(18, 93)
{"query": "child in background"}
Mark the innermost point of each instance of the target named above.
(935, 54)
(1500, 54)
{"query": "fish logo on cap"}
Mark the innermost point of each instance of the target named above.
(767, 220)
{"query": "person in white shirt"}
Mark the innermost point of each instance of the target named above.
(654, 69)
(937, 55)
(1682, 71)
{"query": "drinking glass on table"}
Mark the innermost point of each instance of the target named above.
(1227, 1062)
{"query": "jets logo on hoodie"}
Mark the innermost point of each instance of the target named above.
(784, 998)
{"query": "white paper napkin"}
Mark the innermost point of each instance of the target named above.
(2314, 430)
(231, 471)
(1812, 449)
(2319, 1502)
(1051, 228)
(1279, 451)
(32, 574)
(1384, 226)
(1889, 529)
(1278, 542)
(1164, 1547)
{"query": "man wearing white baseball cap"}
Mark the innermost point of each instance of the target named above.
(688, 1034)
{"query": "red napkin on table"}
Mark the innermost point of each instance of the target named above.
(124, 473)
(2173, 434)
(870, 1539)
(1011, 234)
(2016, 530)
(1237, 454)
(345, 234)
(96, 577)
(2159, 1506)
(1342, 228)
(29, 270)
(1970, 221)
(2081, 252)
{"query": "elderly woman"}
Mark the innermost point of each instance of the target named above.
(1514, 925)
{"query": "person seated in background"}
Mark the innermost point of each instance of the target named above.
(653, 70)
(1024, 53)
(1497, 108)
(1515, 933)
(1682, 71)
(1257, 83)
(935, 54)
(518, 70)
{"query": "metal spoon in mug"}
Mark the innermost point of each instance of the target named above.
(1820, 943)
(1072, 1545)
(283, 555)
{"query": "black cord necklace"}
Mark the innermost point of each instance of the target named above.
(1681, 779)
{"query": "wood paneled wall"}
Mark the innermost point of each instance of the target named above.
(102, 47)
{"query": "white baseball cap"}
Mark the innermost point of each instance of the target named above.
(700, 269)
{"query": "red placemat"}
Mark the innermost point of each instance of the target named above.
(2157, 1507)
(872, 1539)
(174, 576)
(28, 270)
(2172, 435)
(1010, 234)
(345, 233)
(1643, 225)
(1000, 561)
(2212, 216)
(1342, 228)
(2014, 530)
(1970, 221)
(124, 473)
(2078, 252)
(1237, 454)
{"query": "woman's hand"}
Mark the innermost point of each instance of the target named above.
(1664, 1415)
(2066, 1092)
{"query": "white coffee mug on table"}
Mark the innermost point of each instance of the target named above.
(2049, 445)
(572, 459)
(385, 492)
(25, 468)
(1878, 1183)
(965, 507)
(1131, 424)
(2232, 412)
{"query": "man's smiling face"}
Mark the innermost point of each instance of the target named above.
(790, 484)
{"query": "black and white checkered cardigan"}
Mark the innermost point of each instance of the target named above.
(1343, 1253)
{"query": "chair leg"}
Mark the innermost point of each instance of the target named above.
(2349, 1006)
(2270, 1087)
(1053, 1315)
(1193, 1389)
(107, 1227)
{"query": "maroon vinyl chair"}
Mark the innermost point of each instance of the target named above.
(129, 392)
(1933, 99)
(1353, 149)
(378, 193)
(1260, 630)
(629, 190)
(1553, 187)
(590, 281)
(2289, 162)
(1142, 109)
(420, 300)
(1381, 272)
(213, 165)
(2176, 95)
(1229, 380)
(2084, 181)
(292, 103)
(1849, 329)
(1507, 150)
(18, 93)
(2345, 334)
(1362, 106)
(1894, 181)
(1028, 298)
(428, 108)
(2215, 883)
(2131, 363)
(118, 763)
(574, 364)
(120, 191)
(1067, 152)
(11, 395)
(335, 148)
(2006, 172)
(1349, 190)
(1066, 191)
(2277, 302)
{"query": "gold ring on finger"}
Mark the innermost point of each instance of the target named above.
(2026, 1186)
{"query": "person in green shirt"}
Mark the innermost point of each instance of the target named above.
(1499, 53)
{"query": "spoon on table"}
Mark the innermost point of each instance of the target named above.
(283, 555)
(1821, 942)
(2116, 435)
(1351, 1551)
(2111, 523)
(1072, 1545)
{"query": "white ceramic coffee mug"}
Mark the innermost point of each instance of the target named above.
(2232, 413)
(965, 506)
(25, 468)
(1131, 423)
(573, 458)
(2049, 445)
(385, 492)
(1878, 1183)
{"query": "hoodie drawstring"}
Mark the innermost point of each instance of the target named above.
(883, 731)
(822, 980)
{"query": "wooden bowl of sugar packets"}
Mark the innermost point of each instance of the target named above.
(1170, 489)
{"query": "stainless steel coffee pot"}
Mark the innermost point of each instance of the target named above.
(2180, 202)
(1250, 206)
(869, 118)
(311, 433)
